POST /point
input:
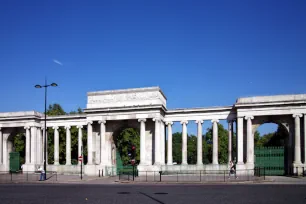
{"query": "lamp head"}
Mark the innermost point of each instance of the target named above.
(38, 86)
(54, 84)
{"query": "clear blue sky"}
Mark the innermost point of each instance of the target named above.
(201, 53)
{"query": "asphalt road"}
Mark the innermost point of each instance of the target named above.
(147, 194)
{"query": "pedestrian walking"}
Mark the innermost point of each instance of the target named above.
(232, 170)
(42, 173)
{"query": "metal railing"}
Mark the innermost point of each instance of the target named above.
(25, 176)
(194, 176)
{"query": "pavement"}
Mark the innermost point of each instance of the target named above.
(151, 194)
(75, 179)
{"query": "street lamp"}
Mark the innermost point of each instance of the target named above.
(45, 144)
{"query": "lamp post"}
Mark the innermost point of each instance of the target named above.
(45, 143)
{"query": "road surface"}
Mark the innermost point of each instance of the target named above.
(150, 194)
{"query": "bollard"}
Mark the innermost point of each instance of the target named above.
(200, 176)
(27, 176)
(99, 173)
(176, 176)
(224, 175)
(264, 173)
(11, 175)
(160, 173)
(102, 173)
(146, 176)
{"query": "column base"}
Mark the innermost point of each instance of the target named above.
(250, 165)
(298, 169)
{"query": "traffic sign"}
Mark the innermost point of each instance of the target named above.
(80, 158)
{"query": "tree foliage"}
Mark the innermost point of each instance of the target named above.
(277, 138)
(124, 140)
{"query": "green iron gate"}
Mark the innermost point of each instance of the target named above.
(119, 168)
(272, 159)
(14, 161)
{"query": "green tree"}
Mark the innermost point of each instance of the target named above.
(177, 147)
(192, 149)
(19, 145)
(124, 140)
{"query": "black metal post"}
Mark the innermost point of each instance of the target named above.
(81, 162)
(45, 145)
(160, 173)
(133, 172)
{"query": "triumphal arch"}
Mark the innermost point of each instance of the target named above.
(146, 109)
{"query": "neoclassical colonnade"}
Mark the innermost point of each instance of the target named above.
(106, 111)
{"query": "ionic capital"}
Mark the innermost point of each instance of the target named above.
(184, 122)
(102, 121)
(169, 123)
(55, 128)
(297, 115)
(27, 127)
(249, 117)
(199, 121)
(142, 120)
(215, 120)
(156, 119)
(67, 127)
(89, 122)
(80, 126)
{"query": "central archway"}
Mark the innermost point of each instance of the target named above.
(272, 150)
(126, 135)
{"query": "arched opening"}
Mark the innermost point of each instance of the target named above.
(16, 143)
(271, 148)
(121, 147)
(19, 144)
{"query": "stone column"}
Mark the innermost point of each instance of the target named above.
(184, 142)
(157, 152)
(28, 145)
(297, 139)
(169, 153)
(1, 146)
(39, 146)
(68, 145)
(162, 142)
(33, 145)
(199, 143)
(89, 142)
(250, 140)
(80, 141)
(230, 143)
(142, 141)
(240, 141)
(5, 151)
(215, 141)
(56, 146)
(103, 155)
